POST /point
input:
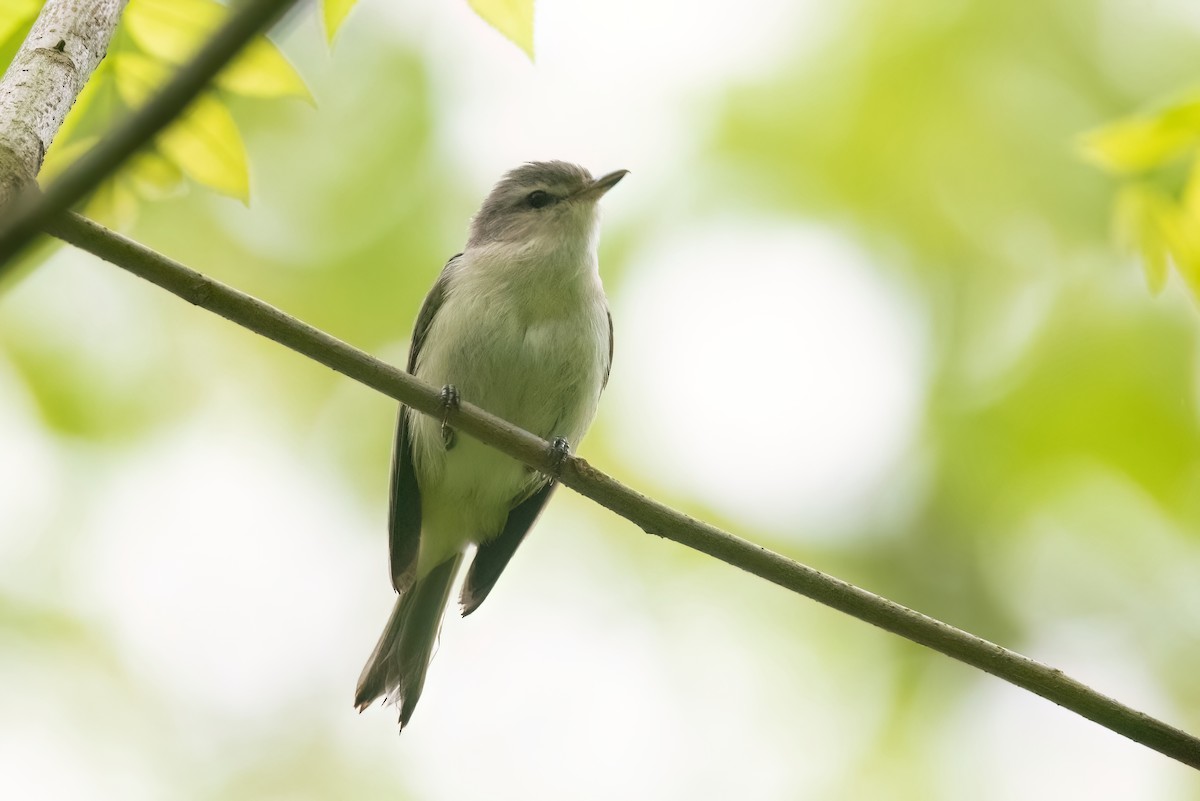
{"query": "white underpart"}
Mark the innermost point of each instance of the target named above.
(523, 333)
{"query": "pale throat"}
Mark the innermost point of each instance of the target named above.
(547, 273)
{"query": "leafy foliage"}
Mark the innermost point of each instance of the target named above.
(204, 145)
(1156, 213)
(171, 30)
(513, 18)
(333, 14)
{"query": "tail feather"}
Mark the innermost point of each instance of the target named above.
(396, 669)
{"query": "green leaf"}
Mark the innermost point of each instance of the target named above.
(1181, 231)
(16, 14)
(172, 30)
(204, 142)
(1137, 144)
(148, 175)
(1138, 214)
(263, 71)
(1191, 190)
(137, 77)
(113, 204)
(334, 13)
(153, 176)
(513, 18)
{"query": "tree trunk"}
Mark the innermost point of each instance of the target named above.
(62, 50)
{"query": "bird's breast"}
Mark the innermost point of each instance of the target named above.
(530, 345)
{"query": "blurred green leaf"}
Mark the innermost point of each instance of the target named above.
(1191, 190)
(513, 18)
(203, 142)
(114, 205)
(334, 13)
(171, 30)
(1103, 384)
(1141, 143)
(206, 145)
(263, 71)
(1182, 233)
(15, 14)
(1155, 226)
(137, 77)
(19, 617)
(1146, 218)
(153, 176)
(147, 175)
(1138, 215)
(73, 394)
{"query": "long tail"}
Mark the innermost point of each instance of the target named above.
(398, 664)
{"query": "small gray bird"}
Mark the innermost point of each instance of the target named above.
(519, 325)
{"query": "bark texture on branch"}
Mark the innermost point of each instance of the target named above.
(67, 42)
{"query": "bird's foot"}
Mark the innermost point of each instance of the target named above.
(450, 403)
(560, 449)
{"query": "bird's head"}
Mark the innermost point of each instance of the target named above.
(544, 204)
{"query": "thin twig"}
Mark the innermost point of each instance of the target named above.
(32, 213)
(651, 516)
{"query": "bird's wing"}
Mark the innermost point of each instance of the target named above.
(492, 556)
(608, 364)
(404, 513)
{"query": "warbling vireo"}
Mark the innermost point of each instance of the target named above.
(519, 325)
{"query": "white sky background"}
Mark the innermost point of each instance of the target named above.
(593, 683)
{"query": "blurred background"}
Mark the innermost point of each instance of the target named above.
(867, 312)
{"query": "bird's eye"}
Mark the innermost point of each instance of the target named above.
(538, 199)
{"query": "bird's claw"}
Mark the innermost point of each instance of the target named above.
(560, 449)
(450, 403)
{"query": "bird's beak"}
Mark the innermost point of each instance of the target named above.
(598, 187)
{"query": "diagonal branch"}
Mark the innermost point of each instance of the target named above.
(62, 50)
(32, 212)
(651, 516)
